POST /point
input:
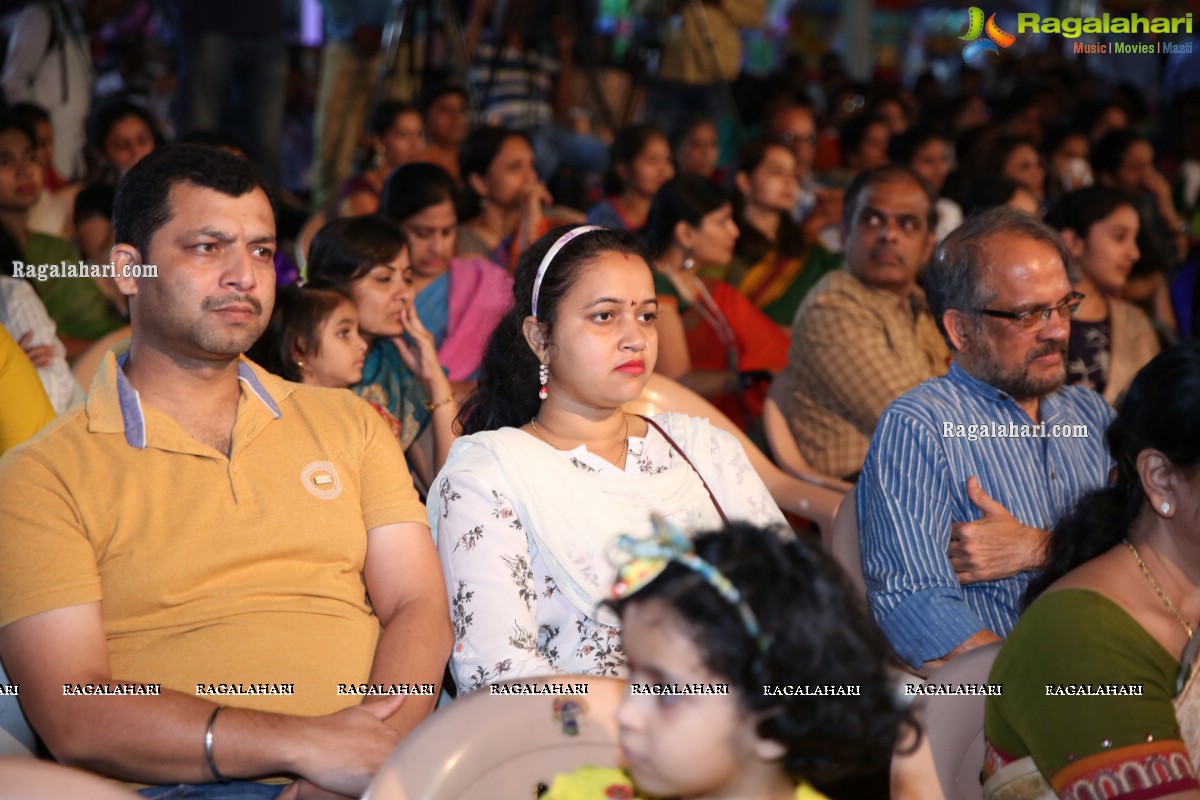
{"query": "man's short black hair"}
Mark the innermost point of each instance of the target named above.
(142, 204)
(887, 173)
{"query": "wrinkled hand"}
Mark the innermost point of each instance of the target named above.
(419, 354)
(996, 545)
(42, 355)
(348, 748)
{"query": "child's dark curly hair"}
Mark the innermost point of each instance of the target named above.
(819, 635)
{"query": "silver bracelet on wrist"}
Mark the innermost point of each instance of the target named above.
(208, 746)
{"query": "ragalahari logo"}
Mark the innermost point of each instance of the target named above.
(976, 27)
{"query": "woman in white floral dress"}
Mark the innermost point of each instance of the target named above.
(529, 504)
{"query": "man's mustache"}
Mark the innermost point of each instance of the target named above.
(218, 303)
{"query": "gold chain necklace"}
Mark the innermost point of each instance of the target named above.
(1161, 594)
(624, 446)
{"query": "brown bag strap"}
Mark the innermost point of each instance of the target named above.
(683, 455)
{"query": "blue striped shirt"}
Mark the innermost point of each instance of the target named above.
(913, 485)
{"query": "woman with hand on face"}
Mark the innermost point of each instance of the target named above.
(531, 501)
(367, 258)
(397, 136)
(505, 205)
(1111, 339)
(713, 339)
(776, 261)
(459, 299)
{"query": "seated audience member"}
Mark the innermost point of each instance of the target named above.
(775, 261)
(258, 562)
(864, 335)
(444, 111)
(1115, 607)
(24, 407)
(1111, 339)
(459, 299)
(1001, 192)
(895, 107)
(639, 164)
(959, 487)
(1067, 167)
(24, 316)
(79, 306)
(368, 258)
(697, 148)
(121, 134)
(532, 500)
(313, 338)
(818, 207)
(51, 214)
(1018, 159)
(930, 154)
(864, 145)
(396, 134)
(723, 610)
(711, 338)
(505, 206)
(1124, 160)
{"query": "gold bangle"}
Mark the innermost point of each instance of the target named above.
(430, 406)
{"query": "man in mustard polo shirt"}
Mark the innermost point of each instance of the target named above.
(202, 534)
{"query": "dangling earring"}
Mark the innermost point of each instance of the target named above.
(689, 263)
(543, 376)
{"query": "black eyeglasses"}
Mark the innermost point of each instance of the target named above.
(1038, 317)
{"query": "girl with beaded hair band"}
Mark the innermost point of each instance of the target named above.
(551, 469)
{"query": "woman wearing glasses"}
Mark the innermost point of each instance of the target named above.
(1111, 339)
(1097, 700)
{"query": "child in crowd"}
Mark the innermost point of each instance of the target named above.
(721, 611)
(313, 338)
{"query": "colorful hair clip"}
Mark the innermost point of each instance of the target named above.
(649, 557)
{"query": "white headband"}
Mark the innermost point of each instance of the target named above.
(551, 253)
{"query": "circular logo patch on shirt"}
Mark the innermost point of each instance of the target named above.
(321, 480)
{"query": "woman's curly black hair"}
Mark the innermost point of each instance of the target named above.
(819, 635)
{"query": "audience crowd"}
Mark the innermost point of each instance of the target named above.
(971, 311)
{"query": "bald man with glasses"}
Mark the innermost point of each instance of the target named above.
(967, 473)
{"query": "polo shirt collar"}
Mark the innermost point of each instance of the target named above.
(113, 405)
